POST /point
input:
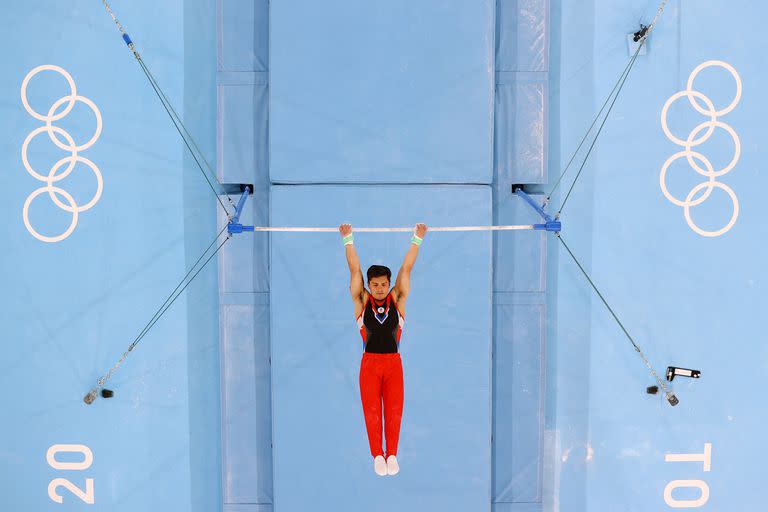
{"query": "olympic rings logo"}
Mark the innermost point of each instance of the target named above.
(68, 144)
(692, 141)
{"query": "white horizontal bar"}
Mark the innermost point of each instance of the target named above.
(410, 229)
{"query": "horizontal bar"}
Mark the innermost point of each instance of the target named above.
(408, 230)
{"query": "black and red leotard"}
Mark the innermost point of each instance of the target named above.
(381, 325)
(381, 372)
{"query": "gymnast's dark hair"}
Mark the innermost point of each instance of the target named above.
(378, 271)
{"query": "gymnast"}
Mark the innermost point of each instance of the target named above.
(381, 369)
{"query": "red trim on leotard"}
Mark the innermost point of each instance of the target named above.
(388, 300)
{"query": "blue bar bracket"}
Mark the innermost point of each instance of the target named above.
(234, 225)
(550, 224)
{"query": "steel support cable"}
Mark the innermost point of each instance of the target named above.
(645, 32)
(189, 141)
(670, 397)
(600, 129)
(177, 291)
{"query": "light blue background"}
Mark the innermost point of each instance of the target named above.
(70, 309)
(190, 427)
(688, 301)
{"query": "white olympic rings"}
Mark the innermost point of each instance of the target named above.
(691, 156)
(68, 145)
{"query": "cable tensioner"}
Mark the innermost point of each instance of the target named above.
(637, 36)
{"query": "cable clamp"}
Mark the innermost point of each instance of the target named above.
(236, 227)
(553, 226)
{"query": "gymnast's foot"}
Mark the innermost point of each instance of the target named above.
(392, 467)
(380, 465)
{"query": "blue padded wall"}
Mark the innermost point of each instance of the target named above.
(518, 389)
(246, 449)
(522, 75)
(244, 262)
(321, 453)
(521, 137)
(520, 259)
(243, 35)
(398, 91)
(520, 317)
(243, 114)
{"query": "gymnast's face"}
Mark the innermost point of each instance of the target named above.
(379, 287)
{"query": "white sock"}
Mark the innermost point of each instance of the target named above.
(392, 466)
(380, 465)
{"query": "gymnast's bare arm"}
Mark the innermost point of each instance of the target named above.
(356, 286)
(403, 281)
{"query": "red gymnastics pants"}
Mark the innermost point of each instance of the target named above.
(381, 378)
